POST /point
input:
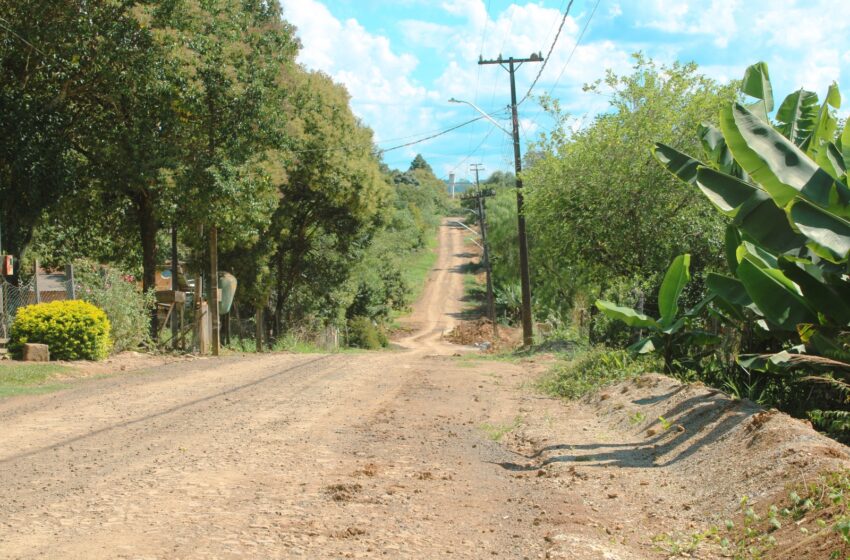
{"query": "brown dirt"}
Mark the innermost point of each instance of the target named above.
(479, 333)
(404, 454)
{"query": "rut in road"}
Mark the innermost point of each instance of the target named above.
(410, 453)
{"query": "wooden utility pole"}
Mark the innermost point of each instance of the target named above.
(482, 222)
(525, 280)
(213, 305)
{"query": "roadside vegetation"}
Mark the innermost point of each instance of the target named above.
(695, 228)
(123, 120)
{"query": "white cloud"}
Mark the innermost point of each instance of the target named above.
(378, 78)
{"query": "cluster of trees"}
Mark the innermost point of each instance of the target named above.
(121, 119)
(603, 217)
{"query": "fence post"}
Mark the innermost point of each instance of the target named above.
(72, 288)
(35, 283)
(259, 325)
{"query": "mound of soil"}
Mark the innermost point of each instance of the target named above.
(479, 333)
(728, 448)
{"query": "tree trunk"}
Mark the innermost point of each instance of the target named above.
(279, 298)
(148, 230)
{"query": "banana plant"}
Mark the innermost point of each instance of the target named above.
(667, 333)
(784, 187)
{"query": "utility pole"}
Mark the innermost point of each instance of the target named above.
(482, 219)
(452, 184)
(213, 306)
(525, 281)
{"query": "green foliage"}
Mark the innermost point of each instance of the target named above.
(73, 330)
(130, 117)
(119, 296)
(594, 368)
(784, 187)
(363, 333)
(599, 212)
(669, 334)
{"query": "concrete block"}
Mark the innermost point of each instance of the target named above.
(36, 353)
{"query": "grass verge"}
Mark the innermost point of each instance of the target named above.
(21, 378)
(417, 265)
(587, 370)
(415, 268)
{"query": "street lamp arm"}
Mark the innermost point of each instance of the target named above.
(483, 114)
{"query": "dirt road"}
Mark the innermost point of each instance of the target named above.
(409, 453)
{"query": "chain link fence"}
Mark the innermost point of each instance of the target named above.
(51, 287)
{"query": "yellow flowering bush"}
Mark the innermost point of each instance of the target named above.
(74, 330)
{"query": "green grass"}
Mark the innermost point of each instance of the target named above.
(19, 378)
(417, 265)
(591, 369)
(415, 268)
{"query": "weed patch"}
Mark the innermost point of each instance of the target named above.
(594, 368)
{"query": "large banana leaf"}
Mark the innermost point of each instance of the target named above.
(731, 242)
(715, 146)
(797, 116)
(727, 193)
(754, 211)
(845, 146)
(679, 164)
(778, 165)
(626, 314)
(824, 228)
(674, 281)
(833, 162)
(826, 123)
(824, 298)
(729, 289)
(761, 257)
(775, 295)
(756, 84)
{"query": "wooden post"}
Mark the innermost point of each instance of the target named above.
(176, 322)
(259, 334)
(216, 340)
(199, 313)
(35, 283)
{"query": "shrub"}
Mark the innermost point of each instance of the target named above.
(362, 333)
(73, 330)
(595, 368)
(126, 306)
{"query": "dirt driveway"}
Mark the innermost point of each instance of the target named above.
(409, 453)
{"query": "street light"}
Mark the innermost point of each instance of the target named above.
(483, 114)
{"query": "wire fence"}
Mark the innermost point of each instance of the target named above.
(13, 297)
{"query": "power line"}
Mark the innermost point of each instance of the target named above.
(431, 137)
(549, 54)
(570, 56)
(578, 42)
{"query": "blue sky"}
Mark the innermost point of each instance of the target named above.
(401, 60)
